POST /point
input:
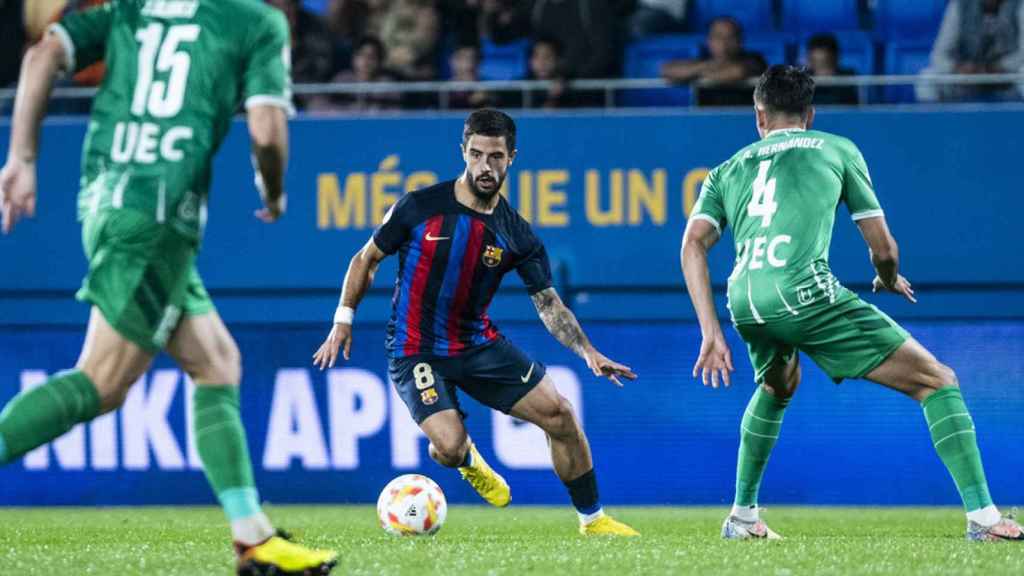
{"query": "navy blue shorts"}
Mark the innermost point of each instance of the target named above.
(497, 376)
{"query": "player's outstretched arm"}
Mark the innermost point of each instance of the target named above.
(715, 359)
(885, 257)
(358, 279)
(40, 67)
(268, 131)
(562, 324)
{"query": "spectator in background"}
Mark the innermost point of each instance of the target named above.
(977, 37)
(312, 46)
(546, 63)
(586, 31)
(823, 62)
(410, 31)
(368, 58)
(721, 69)
(657, 17)
(465, 66)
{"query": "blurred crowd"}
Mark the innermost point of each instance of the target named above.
(368, 41)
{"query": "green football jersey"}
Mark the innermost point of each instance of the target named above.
(176, 73)
(780, 196)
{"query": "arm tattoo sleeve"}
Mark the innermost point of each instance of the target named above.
(560, 321)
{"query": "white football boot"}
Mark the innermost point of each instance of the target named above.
(735, 529)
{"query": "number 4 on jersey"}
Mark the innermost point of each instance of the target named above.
(762, 204)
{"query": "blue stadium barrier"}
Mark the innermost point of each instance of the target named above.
(504, 61)
(808, 16)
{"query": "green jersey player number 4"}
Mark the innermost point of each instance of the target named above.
(176, 73)
(780, 196)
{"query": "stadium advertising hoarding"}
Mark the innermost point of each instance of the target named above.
(340, 435)
(608, 194)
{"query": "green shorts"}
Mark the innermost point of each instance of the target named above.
(142, 276)
(848, 339)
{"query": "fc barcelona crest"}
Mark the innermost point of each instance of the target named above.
(492, 256)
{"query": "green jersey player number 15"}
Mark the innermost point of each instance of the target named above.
(143, 142)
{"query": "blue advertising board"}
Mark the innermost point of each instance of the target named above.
(608, 194)
(340, 435)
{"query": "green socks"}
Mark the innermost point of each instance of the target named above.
(220, 441)
(46, 412)
(955, 441)
(759, 430)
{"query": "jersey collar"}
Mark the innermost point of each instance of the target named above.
(783, 131)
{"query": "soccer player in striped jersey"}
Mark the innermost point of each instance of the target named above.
(780, 196)
(455, 242)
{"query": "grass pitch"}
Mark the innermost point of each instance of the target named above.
(516, 541)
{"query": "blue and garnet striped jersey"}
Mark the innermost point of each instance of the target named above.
(451, 262)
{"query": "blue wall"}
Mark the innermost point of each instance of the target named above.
(945, 179)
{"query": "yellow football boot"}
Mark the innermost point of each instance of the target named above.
(279, 556)
(607, 526)
(488, 483)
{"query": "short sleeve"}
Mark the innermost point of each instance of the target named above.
(395, 229)
(268, 67)
(858, 192)
(84, 34)
(709, 205)
(535, 267)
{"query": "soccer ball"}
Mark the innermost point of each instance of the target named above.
(412, 505)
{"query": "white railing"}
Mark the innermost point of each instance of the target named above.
(608, 87)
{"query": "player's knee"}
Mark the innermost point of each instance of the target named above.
(449, 451)
(937, 375)
(561, 420)
(111, 386)
(222, 367)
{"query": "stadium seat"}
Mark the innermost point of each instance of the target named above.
(856, 51)
(644, 58)
(773, 47)
(504, 61)
(903, 19)
(316, 6)
(905, 58)
(754, 15)
(806, 16)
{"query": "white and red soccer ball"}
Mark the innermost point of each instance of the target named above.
(412, 505)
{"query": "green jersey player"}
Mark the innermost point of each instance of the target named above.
(177, 71)
(780, 196)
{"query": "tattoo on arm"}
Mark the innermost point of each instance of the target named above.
(560, 321)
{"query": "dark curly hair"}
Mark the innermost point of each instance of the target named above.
(785, 89)
(491, 122)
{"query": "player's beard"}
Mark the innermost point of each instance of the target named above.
(483, 195)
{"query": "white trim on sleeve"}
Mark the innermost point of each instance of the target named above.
(268, 100)
(65, 39)
(865, 214)
(706, 218)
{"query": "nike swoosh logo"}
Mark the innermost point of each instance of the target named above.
(437, 238)
(526, 378)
